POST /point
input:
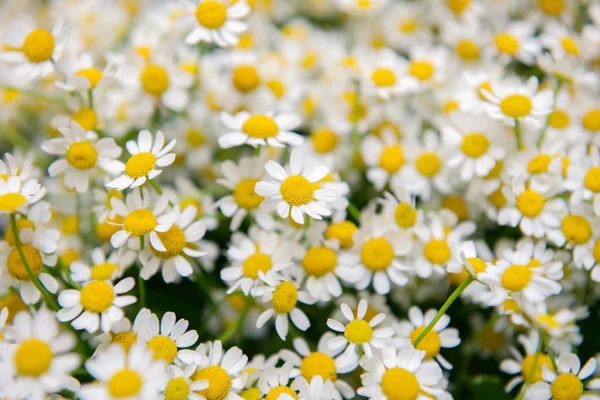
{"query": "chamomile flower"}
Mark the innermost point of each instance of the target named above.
(527, 366)
(179, 384)
(216, 22)
(511, 101)
(97, 305)
(315, 389)
(260, 129)
(297, 193)
(17, 196)
(359, 333)
(218, 375)
(402, 373)
(275, 383)
(139, 221)
(144, 160)
(576, 231)
(103, 267)
(37, 360)
(384, 75)
(427, 66)
(516, 41)
(32, 49)
(384, 157)
(166, 340)
(439, 337)
(82, 74)
(83, 155)
(567, 382)
(33, 229)
(180, 241)
(583, 179)
(15, 166)
(129, 375)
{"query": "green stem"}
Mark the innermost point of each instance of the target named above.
(531, 374)
(518, 134)
(142, 291)
(155, 186)
(34, 279)
(354, 212)
(91, 99)
(544, 340)
(542, 137)
(445, 307)
(63, 268)
(238, 323)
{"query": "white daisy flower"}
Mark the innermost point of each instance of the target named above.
(403, 373)
(384, 75)
(567, 382)
(583, 179)
(144, 160)
(166, 340)
(260, 129)
(576, 232)
(102, 267)
(179, 386)
(125, 375)
(427, 66)
(439, 337)
(81, 74)
(358, 333)
(218, 375)
(259, 254)
(274, 383)
(511, 101)
(83, 153)
(10, 166)
(384, 157)
(37, 360)
(317, 389)
(216, 22)
(32, 49)
(180, 241)
(138, 220)
(324, 362)
(296, 193)
(32, 228)
(516, 41)
(96, 305)
(16, 196)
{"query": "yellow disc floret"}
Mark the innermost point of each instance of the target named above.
(383, 77)
(428, 164)
(592, 179)
(430, 344)
(405, 215)
(140, 164)
(85, 118)
(516, 277)
(155, 79)
(260, 127)
(539, 360)
(343, 231)
(97, 296)
(318, 363)
(38, 45)
(10, 202)
(437, 251)
(358, 331)
(211, 14)
(516, 105)
(164, 348)
(475, 145)
(15, 266)
(219, 382)
(296, 190)
(33, 358)
(392, 158)
(577, 229)
(93, 75)
(285, 297)
(22, 223)
(140, 222)
(173, 240)
(566, 387)
(422, 70)
(323, 140)
(319, 261)
(125, 383)
(177, 389)
(125, 339)
(103, 271)
(400, 384)
(244, 194)
(591, 120)
(507, 43)
(530, 203)
(82, 155)
(245, 78)
(377, 254)
(256, 262)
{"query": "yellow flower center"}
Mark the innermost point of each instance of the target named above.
(437, 251)
(430, 344)
(343, 232)
(93, 75)
(516, 105)
(211, 14)
(450, 106)
(277, 88)
(422, 70)
(409, 25)
(33, 358)
(125, 339)
(566, 387)
(244, 194)
(530, 203)
(428, 164)
(592, 179)
(106, 229)
(570, 45)
(323, 140)
(392, 158)
(154, 79)
(97, 296)
(318, 363)
(405, 215)
(516, 277)
(245, 78)
(319, 261)
(82, 155)
(547, 321)
(10, 202)
(383, 77)
(591, 120)
(528, 363)
(457, 205)
(539, 164)
(38, 46)
(275, 392)
(125, 383)
(400, 384)
(164, 348)
(475, 145)
(596, 251)
(219, 382)
(260, 127)
(507, 43)
(377, 254)
(14, 304)
(70, 225)
(497, 198)
(173, 240)
(285, 297)
(296, 190)
(86, 118)
(254, 263)
(22, 223)
(251, 394)
(477, 264)
(558, 119)
(10, 95)
(140, 222)
(468, 50)
(15, 266)
(69, 256)
(195, 138)
(577, 229)
(552, 7)
(358, 331)
(103, 271)
(140, 165)
(177, 389)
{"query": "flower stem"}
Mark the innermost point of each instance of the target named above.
(34, 279)
(142, 291)
(354, 212)
(155, 186)
(237, 327)
(544, 340)
(540, 140)
(529, 376)
(518, 134)
(445, 307)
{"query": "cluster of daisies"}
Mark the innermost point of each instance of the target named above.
(299, 200)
